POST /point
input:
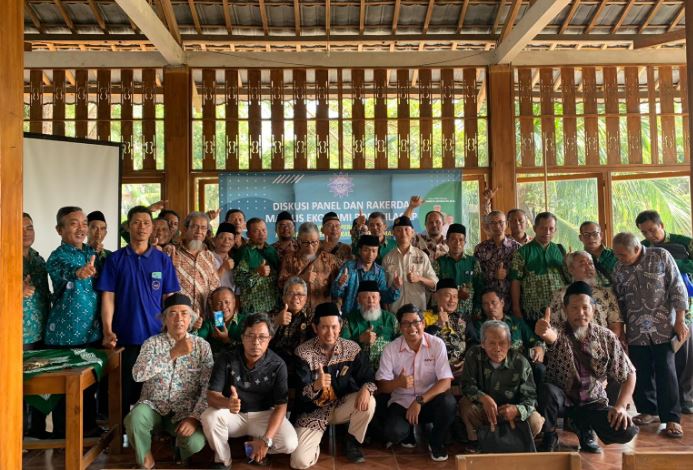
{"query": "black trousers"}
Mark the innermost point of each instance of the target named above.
(684, 371)
(656, 389)
(552, 405)
(130, 389)
(440, 411)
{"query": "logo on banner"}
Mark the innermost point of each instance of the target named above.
(341, 185)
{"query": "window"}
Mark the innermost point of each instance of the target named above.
(138, 194)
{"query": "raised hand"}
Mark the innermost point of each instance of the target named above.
(234, 401)
(29, 289)
(543, 328)
(405, 381)
(170, 250)
(361, 219)
(88, 270)
(109, 340)
(213, 214)
(323, 382)
(368, 336)
(443, 317)
(183, 347)
(463, 292)
(158, 205)
(264, 269)
(396, 281)
(284, 317)
(488, 194)
(416, 201)
(344, 278)
(502, 273)
(412, 276)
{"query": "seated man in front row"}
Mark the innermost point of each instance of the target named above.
(337, 387)
(581, 357)
(248, 395)
(175, 367)
(414, 368)
(497, 383)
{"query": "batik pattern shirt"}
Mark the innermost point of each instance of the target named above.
(258, 293)
(349, 291)
(433, 248)
(606, 309)
(325, 266)
(684, 257)
(416, 261)
(341, 250)
(285, 249)
(490, 258)
(35, 308)
(179, 386)
(197, 276)
(385, 327)
(581, 368)
(650, 292)
(512, 383)
(466, 272)
(287, 338)
(453, 334)
(540, 272)
(605, 265)
(73, 319)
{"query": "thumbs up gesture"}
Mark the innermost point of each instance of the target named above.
(264, 269)
(28, 288)
(323, 382)
(443, 317)
(183, 347)
(413, 276)
(361, 219)
(284, 317)
(368, 336)
(502, 273)
(234, 401)
(344, 277)
(405, 381)
(543, 328)
(88, 270)
(396, 281)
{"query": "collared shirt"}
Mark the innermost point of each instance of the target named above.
(453, 334)
(466, 272)
(260, 388)
(684, 263)
(605, 265)
(139, 283)
(35, 308)
(512, 382)
(606, 309)
(541, 272)
(177, 386)
(416, 261)
(581, 368)
(350, 371)
(287, 338)
(385, 328)
(524, 240)
(650, 291)
(428, 365)
(325, 266)
(490, 258)
(349, 291)
(434, 249)
(258, 293)
(284, 249)
(226, 279)
(233, 328)
(522, 338)
(73, 319)
(197, 275)
(341, 250)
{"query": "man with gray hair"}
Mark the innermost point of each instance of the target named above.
(175, 367)
(317, 268)
(497, 383)
(195, 265)
(654, 300)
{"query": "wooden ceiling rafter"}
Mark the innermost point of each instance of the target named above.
(650, 16)
(195, 16)
(622, 16)
(98, 16)
(66, 17)
(228, 21)
(593, 21)
(263, 17)
(510, 19)
(463, 14)
(33, 16)
(429, 14)
(328, 17)
(497, 19)
(395, 16)
(569, 17)
(677, 19)
(362, 17)
(297, 17)
(170, 18)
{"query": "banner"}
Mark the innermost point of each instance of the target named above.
(309, 195)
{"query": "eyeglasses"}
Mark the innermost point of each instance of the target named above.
(296, 294)
(591, 234)
(407, 324)
(310, 243)
(254, 339)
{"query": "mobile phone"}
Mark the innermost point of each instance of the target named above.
(219, 319)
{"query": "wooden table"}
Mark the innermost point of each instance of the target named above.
(71, 383)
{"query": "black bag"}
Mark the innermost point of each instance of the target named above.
(505, 440)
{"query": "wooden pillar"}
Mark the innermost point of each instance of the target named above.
(11, 103)
(178, 139)
(501, 129)
(689, 61)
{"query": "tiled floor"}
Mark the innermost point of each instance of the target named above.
(378, 458)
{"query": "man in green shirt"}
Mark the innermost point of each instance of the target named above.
(497, 383)
(603, 258)
(257, 270)
(376, 225)
(681, 249)
(537, 271)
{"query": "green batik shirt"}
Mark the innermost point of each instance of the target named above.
(466, 272)
(522, 338)
(511, 383)
(258, 293)
(386, 328)
(36, 307)
(233, 327)
(605, 265)
(541, 272)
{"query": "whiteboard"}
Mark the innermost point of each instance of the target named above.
(61, 171)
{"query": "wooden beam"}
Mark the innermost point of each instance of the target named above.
(622, 16)
(569, 16)
(677, 18)
(328, 18)
(595, 17)
(429, 13)
(11, 102)
(34, 17)
(501, 138)
(463, 14)
(227, 16)
(362, 17)
(496, 21)
(177, 138)
(533, 21)
(649, 40)
(297, 17)
(170, 18)
(650, 16)
(145, 18)
(98, 16)
(263, 16)
(395, 16)
(63, 12)
(510, 19)
(195, 17)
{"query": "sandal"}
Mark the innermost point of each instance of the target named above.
(673, 430)
(643, 419)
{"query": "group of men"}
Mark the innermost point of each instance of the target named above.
(227, 336)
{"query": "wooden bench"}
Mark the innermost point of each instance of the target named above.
(528, 461)
(657, 460)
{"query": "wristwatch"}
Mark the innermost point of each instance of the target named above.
(420, 399)
(268, 442)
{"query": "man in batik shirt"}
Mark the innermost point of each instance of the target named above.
(332, 229)
(36, 294)
(285, 229)
(446, 322)
(431, 241)
(256, 270)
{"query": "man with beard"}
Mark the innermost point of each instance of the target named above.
(195, 264)
(431, 241)
(332, 229)
(134, 282)
(95, 236)
(604, 260)
(447, 323)
(317, 268)
(582, 356)
(285, 230)
(517, 221)
(257, 268)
